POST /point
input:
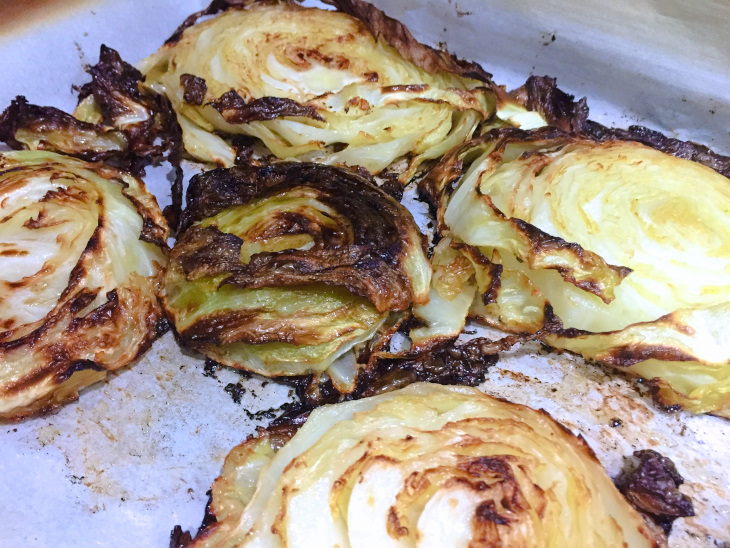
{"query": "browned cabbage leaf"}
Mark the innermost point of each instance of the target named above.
(650, 482)
(281, 269)
(426, 466)
(628, 245)
(342, 87)
(83, 249)
(117, 120)
(30, 127)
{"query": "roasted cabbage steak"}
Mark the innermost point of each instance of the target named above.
(83, 250)
(280, 269)
(424, 466)
(342, 87)
(629, 245)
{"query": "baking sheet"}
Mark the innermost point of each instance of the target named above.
(136, 454)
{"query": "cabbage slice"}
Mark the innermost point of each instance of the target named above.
(283, 268)
(315, 85)
(427, 465)
(83, 250)
(557, 212)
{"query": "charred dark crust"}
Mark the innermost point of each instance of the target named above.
(487, 516)
(109, 76)
(211, 192)
(235, 110)
(438, 183)
(206, 251)
(21, 115)
(14, 117)
(443, 363)
(208, 519)
(180, 538)
(687, 150)
(194, 89)
(392, 185)
(79, 270)
(551, 325)
(101, 315)
(369, 266)
(244, 147)
(495, 273)
(446, 363)
(78, 365)
(162, 326)
(243, 326)
(152, 232)
(543, 243)
(173, 211)
(630, 354)
(114, 84)
(541, 94)
(363, 272)
(285, 426)
(656, 388)
(398, 36)
(650, 482)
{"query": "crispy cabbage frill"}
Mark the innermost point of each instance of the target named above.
(117, 121)
(281, 269)
(83, 252)
(623, 248)
(424, 466)
(316, 85)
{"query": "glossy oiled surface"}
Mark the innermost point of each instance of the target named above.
(137, 454)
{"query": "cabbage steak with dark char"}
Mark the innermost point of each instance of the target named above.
(426, 466)
(283, 268)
